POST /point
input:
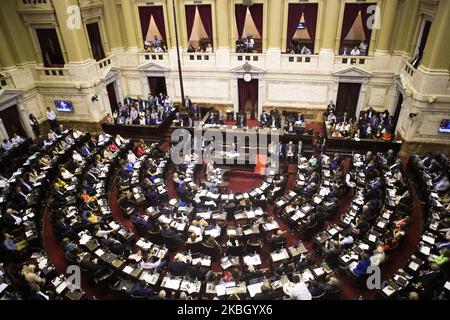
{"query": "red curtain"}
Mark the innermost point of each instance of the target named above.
(248, 91)
(350, 15)
(243, 94)
(157, 85)
(95, 40)
(240, 12)
(11, 121)
(205, 14)
(50, 48)
(112, 96)
(145, 15)
(310, 12)
(153, 84)
(190, 16)
(365, 16)
(256, 11)
(253, 96)
(294, 14)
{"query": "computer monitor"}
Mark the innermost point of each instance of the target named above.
(63, 106)
(444, 127)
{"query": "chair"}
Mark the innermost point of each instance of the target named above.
(170, 242)
(194, 247)
(320, 296)
(155, 237)
(254, 247)
(211, 251)
(333, 295)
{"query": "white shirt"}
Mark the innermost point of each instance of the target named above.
(17, 140)
(132, 158)
(355, 52)
(51, 115)
(299, 292)
(77, 157)
(7, 146)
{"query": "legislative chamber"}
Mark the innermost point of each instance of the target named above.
(231, 150)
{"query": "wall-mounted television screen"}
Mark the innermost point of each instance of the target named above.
(63, 106)
(445, 126)
(301, 26)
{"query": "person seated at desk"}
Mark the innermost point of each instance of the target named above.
(178, 268)
(346, 239)
(89, 217)
(316, 288)
(212, 243)
(443, 185)
(153, 263)
(115, 246)
(199, 273)
(92, 265)
(20, 199)
(16, 139)
(31, 276)
(333, 284)
(11, 245)
(7, 145)
(119, 141)
(70, 247)
(362, 265)
(141, 289)
(266, 292)
(378, 257)
(200, 222)
(11, 219)
(251, 273)
(443, 257)
(313, 162)
(300, 290)
(45, 161)
(86, 198)
(167, 232)
(289, 127)
(62, 227)
(264, 119)
(85, 151)
(278, 239)
(305, 262)
(284, 268)
(290, 151)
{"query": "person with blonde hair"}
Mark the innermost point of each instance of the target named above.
(31, 277)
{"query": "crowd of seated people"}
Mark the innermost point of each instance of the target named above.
(142, 112)
(295, 47)
(203, 48)
(378, 217)
(154, 46)
(425, 276)
(270, 119)
(360, 50)
(370, 125)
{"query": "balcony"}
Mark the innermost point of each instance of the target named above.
(298, 62)
(199, 60)
(28, 5)
(52, 74)
(103, 66)
(256, 59)
(362, 62)
(159, 58)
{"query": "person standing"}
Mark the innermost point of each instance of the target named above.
(34, 125)
(51, 116)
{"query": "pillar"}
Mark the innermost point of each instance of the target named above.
(387, 25)
(437, 50)
(75, 39)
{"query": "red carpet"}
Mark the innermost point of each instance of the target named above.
(242, 182)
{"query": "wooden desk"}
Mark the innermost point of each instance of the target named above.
(151, 133)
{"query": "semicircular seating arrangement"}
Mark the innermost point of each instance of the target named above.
(140, 227)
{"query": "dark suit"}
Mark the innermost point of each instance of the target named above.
(178, 268)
